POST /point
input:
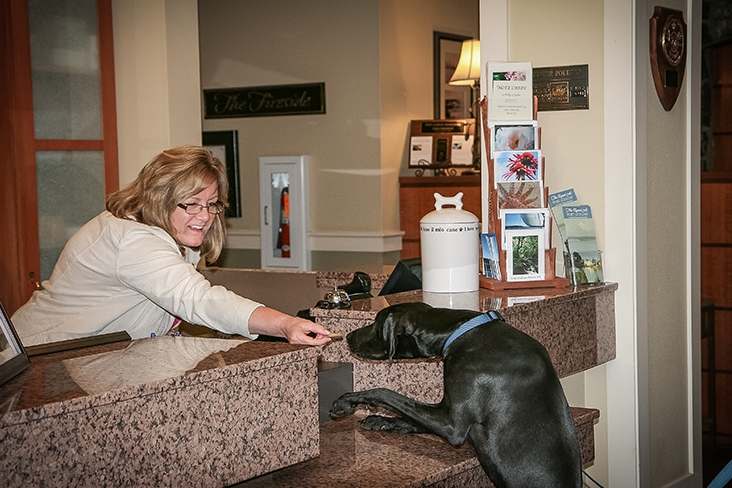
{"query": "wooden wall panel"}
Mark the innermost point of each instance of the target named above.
(721, 68)
(716, 236)
(721, 120)
(723, 340)
(723, 150)
(716, 272)
(416, 199)
(716, 223)
(724, 404)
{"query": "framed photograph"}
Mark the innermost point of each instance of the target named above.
(451, 102)
(525, 255)
(517, 136)
(224, 145)
(13, 359)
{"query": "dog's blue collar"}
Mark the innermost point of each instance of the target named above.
(471, 324)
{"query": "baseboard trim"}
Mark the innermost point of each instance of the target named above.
(325, 241)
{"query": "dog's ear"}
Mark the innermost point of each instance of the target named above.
(395, 324)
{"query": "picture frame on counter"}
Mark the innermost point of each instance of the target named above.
(13, 359)
(525, 260)
(224, 144)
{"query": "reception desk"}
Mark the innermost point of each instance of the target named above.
(194, 411)
(168, 411)
(577, 326)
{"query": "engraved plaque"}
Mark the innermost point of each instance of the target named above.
(668, 53)
(562, 87)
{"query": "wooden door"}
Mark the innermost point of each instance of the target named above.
(32, 135)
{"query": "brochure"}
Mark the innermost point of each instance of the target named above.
(510, 91)
(556, 202)
(420, 151)
(462, 150)
(585, 260)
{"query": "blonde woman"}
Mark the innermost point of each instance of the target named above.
(132, 268)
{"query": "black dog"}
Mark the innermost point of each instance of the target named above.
(501, 393)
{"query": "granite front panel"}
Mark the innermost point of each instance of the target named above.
(575, 333)
(209, 428)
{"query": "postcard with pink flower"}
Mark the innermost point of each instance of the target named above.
(517, 166)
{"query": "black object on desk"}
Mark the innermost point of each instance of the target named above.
(407, 276)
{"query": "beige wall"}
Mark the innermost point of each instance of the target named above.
(375, 58)
(406, 46)
(156, 77)
(667, 181)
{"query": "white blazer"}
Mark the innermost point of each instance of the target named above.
(116, 274)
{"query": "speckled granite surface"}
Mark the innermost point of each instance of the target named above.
(356, 458)
(162, 412)
(216, 413)
(576, 326)
(378, 275)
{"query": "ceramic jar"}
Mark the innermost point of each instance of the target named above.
(450, 247)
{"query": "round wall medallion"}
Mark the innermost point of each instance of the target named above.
(672, 40)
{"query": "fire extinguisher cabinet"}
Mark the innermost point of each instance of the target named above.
(283, 197)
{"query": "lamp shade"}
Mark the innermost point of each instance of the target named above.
(468, 68)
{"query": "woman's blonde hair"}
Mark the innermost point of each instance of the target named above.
(168, 179)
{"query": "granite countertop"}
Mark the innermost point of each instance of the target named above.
(575, 325)
(518, 300)
(73, 380)
(378, 275)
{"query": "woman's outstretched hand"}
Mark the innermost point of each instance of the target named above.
(296, 330)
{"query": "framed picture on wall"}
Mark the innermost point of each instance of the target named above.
(451, 102)
(224, 145)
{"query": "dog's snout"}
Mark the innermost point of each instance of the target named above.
(366, 343)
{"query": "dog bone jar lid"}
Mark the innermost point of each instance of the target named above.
(450, 246)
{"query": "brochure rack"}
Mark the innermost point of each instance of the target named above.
(495, 222)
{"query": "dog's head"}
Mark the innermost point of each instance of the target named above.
(406, 330)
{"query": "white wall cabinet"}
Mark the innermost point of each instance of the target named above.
(284, 208)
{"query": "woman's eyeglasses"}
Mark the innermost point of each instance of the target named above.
(196, 208)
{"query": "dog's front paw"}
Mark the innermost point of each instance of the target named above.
(379, 422)
(342, 407)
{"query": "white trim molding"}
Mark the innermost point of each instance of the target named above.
(243, 239)
(325, 241)
(355, 241)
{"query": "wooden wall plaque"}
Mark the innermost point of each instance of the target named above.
(668, 53)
